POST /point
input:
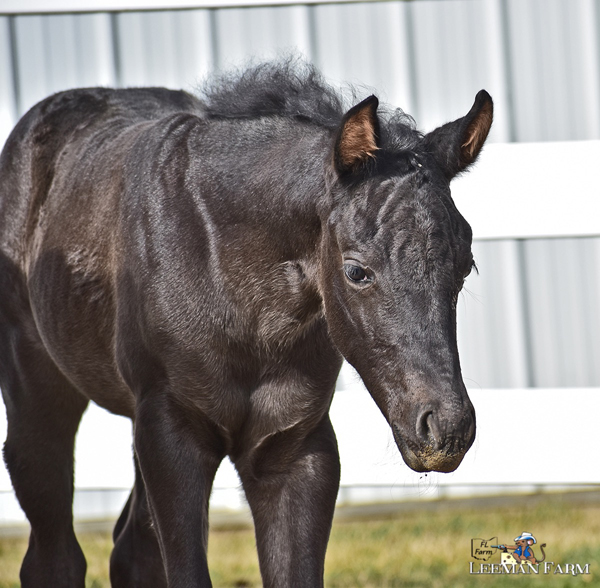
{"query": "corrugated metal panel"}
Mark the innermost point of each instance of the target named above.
(366, 44)
(172, 49)
(260, 33)
(531, 316)
(492, 337)
(8, 105)
(538, 58)
(456, 54)
(554, 76)
(55, 53)
(563, 294)
(30, 60)
(8, 7)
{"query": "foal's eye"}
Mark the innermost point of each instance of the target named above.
(356, 274)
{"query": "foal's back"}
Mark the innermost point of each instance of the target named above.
(61, 177)
(76, 125)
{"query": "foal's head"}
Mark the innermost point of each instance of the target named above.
(395, 254)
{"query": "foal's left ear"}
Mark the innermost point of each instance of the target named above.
(358, 137)
(457, 144)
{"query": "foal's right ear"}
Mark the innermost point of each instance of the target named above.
(358, 137)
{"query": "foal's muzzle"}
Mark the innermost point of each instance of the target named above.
(435, 439)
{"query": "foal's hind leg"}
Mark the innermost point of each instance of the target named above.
(43, 412)
(136, 560)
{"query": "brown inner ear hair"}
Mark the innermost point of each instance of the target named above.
(358, 141)
(477, 132)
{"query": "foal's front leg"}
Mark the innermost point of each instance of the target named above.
(291, 484)
(178, 455)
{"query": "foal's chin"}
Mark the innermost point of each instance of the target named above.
(429, 459)
(432, 461)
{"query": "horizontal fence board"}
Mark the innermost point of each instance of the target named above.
(370, 459)
(532, 190)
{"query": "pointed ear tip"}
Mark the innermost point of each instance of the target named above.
(371, 101)
(483, 96)
(369, 104)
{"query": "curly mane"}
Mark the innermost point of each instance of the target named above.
(295, 89)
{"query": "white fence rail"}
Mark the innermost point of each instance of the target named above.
(532, 190)
(526, 439)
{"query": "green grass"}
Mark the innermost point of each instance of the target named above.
(419, 548)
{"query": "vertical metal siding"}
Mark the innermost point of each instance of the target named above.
(54, 53)
(8, 103)
(30, 60)
(453, 60)
(540, 59)
(260, 33)
(172, 49)
(532, 316)
(492, 337)
(564, 302)
(553, 51)
(368, 45)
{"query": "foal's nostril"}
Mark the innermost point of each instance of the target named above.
(426, 428)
